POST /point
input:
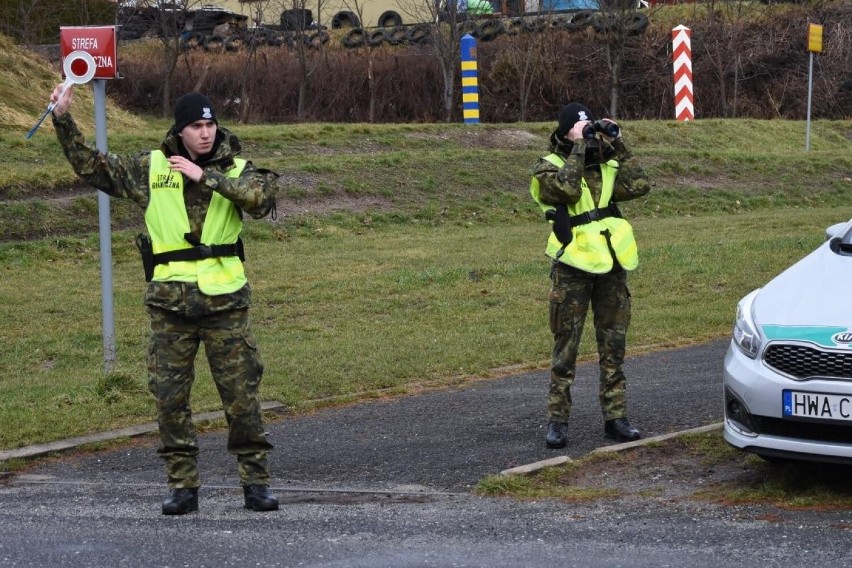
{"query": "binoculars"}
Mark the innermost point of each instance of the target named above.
(606, 128)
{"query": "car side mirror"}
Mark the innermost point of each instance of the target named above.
(835, 230)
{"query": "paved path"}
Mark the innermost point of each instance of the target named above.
(387, 483)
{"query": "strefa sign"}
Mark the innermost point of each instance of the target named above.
(98, 41)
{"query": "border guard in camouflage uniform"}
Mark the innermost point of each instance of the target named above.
(193, 190)
(592, 247)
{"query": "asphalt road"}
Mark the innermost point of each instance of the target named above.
(387, 483)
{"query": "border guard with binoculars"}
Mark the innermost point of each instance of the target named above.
(592, 248)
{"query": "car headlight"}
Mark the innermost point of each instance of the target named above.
(746, 335)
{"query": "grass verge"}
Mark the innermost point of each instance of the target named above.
(695, 466)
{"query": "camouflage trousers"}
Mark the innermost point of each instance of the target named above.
(570, 295)
(236, 367)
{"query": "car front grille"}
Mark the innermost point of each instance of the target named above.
(802, 361)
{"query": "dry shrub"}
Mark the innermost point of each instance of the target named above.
(755, 69)
(406, 84)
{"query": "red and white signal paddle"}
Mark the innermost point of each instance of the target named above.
(79, 68)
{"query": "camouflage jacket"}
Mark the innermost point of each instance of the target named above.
(561, 186)
(126, 176)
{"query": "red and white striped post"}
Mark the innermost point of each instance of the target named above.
(682, 56)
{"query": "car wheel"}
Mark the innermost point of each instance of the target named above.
(514, 26)
(214, 44)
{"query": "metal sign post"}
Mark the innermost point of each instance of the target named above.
(105, 233)
(814, 46)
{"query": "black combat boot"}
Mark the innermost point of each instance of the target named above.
(557, 435)
(181, 501)
(260, 498)
(620, 429)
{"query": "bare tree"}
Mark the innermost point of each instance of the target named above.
(728, 19)
(307, 47)
(617, 22)
(29, 15)
(169, 22)
(34, 22)
(448, 24)
(360, 36)
(524, 59)
(252, 40)
(84, 12)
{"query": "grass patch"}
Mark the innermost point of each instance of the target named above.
(692, 466)
(785, 484)
(710, 447)
(548, 483)
(113, 387)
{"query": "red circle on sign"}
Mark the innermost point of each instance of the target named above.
(79, 67)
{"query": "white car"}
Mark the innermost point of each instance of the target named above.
(788, 370)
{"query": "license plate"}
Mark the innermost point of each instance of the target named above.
(815, 405)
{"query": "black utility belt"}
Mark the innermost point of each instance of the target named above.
(563, 222)
(198, 251)
(596, 214)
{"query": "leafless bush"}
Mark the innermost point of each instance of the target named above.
(37, 22)
(756, 70)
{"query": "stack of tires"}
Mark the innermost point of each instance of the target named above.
(633, 24)
(345, 20)
(262, 36)
(491, 28)
(204, 21)
(396, 35)
(485, 30)
(135, 23)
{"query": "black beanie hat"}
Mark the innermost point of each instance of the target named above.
(191, 107)
(571, 114)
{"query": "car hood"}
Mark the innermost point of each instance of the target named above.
(809, 301)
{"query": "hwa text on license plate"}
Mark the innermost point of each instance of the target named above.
(821, 406)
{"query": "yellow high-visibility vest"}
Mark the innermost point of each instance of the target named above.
(588, 250)
(167, 223)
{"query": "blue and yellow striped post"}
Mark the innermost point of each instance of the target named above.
(470, 87)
